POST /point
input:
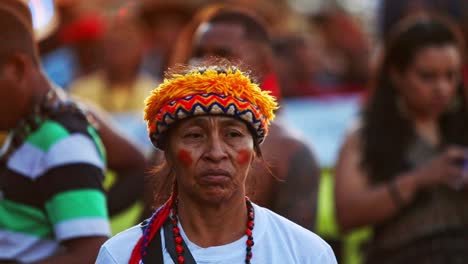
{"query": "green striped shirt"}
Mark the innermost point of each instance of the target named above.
(51, 189)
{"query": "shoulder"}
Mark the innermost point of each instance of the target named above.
(302, 243)
(290, 139)
(69, 129)
(60, 125)
(49, 147)
(286, 139)
(290, 229)
(125, 239)
(280, 131)
(287, 150)
(71, 116)
(120, 247)
(352, 139)
(74, 120)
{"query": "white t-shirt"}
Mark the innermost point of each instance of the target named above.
(277, 240)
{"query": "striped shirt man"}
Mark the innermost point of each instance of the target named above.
(51, 189)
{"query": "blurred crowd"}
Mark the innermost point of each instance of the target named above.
(315, 54)
(399, 173)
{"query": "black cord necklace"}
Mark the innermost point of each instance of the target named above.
(48, 105)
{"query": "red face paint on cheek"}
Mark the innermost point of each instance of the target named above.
(244, 156)
(184, 157)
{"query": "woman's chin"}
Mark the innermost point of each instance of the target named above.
(216, 194)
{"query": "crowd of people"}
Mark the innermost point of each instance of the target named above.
(172, 115)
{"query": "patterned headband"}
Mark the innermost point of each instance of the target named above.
(208, 91)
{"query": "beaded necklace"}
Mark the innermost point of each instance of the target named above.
(25, 127)
(248, 231)
(49, 105)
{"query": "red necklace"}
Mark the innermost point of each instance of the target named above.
(248, 231)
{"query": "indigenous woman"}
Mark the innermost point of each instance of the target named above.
(209, 121)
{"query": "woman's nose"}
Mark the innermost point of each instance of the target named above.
(443, 86)
(215, 149)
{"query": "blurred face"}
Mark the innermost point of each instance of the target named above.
(122, 50)
(211, 156)
(430, 81)
(165, 31)
(228, 41)
(308, 52)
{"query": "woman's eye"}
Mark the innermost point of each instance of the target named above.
(426, 76)
(193, 135)
(453, 76)
(234, 134)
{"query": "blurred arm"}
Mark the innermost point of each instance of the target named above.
(125, 159)
(122, 154)
(78, 251)
(357, 202)
(297, 196)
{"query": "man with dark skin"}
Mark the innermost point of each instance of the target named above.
(52, 207)
(288, 182)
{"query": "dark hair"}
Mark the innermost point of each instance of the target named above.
(386, 133)
(16, 36)
(150, 13)
(254, 28)
(392, 11)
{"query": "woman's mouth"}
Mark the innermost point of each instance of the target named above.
(216, 176)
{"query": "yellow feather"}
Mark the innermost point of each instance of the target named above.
(233, 83)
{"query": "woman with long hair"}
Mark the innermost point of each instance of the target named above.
(401, 170)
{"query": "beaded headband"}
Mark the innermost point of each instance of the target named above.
(208, 91)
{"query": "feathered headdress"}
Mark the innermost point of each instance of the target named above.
(209, 91)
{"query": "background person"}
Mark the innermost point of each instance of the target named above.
(399, 170)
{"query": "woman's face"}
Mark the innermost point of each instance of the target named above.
(211, 156)
(429, 83)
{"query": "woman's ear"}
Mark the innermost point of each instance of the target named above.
(257, 153)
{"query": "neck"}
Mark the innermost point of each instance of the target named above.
(428, 129)
(41, 86)
(206, 226)
(44, 85)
